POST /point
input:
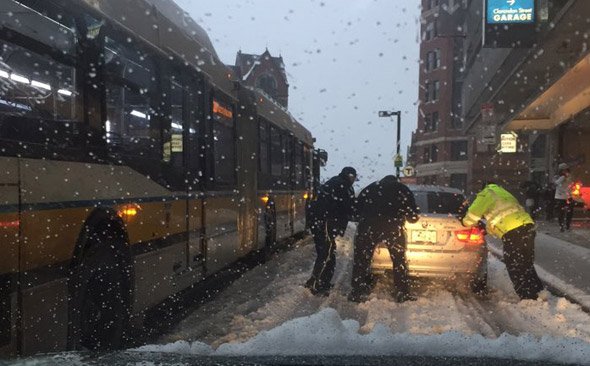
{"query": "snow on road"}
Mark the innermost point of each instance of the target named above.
(272, 295)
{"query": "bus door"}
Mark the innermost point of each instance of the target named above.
(9, 261)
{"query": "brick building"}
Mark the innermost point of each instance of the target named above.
(439, 149)
(264, 72)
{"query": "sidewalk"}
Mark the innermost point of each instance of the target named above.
(578, 235)
(560, 264)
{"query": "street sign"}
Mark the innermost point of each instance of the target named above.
(508, 142)
(510, 11)
(398, 161)
(488, 135)
(409, 171)
(510, 23)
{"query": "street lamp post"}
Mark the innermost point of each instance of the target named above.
(399, 124)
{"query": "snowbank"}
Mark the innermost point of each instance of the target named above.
(325, 333)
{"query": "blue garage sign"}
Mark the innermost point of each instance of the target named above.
(510, 11)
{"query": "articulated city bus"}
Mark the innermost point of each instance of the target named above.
(132, 165)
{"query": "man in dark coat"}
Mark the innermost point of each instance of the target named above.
(329, 214)
(383, 208)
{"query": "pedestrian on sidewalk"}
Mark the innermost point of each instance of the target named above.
(549, 196)
(531, 192)
(383, 208)
(563, 197)
(329, 214)
(507, 219)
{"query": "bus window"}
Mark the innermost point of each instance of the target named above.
(39, 102)
(35, 85)
(276, 153)
(263, 158)
(195, 149)
(224, 144)
(298, 177)
(125, 62)
(58, 30)
(173, 142)
(287, 161)
(129, 126)
(307, 167)
(173, 134)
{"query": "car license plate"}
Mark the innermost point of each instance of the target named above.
(423, 236)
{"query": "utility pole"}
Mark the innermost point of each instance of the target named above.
(398, 164)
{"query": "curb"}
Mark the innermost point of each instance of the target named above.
(552, 289)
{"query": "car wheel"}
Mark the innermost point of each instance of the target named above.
(479, 282)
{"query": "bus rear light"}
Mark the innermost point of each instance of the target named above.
(473, 236)
(9, 224)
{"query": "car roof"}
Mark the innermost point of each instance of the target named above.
(431, 188)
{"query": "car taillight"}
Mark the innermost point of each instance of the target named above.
(576, 189)
(474, 236)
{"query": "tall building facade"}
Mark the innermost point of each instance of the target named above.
(539, 94)
(439, 149)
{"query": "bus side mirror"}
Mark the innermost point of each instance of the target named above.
(322, 157)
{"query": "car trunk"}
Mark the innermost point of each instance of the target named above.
(434, 232)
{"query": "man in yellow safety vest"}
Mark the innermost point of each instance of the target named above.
(507, 219)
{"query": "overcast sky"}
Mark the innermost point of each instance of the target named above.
(345, 60)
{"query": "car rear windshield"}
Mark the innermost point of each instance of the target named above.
(439, 202)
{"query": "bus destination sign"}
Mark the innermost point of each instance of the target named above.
(510, 11)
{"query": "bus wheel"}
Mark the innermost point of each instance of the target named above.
(101, 292)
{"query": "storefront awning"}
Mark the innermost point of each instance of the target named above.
(563, 100)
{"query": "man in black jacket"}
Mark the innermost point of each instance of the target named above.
(329, 214)
(383, 208)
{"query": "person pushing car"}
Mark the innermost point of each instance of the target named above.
(329, 214)
(506, 219)
(383, 208)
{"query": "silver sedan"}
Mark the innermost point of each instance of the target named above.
(438, 245)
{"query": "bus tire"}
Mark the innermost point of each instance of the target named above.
(100, 290)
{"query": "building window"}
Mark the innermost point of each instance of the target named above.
(434, 122)
(431, 122)
(268, 84)
(435, 91)
(426, 155)
(431, 91)
(433, 154)
(456, 122)
(430, 4)
(433, 60)
(458, 150)
(431, 30)
(459, 181)
(430, 154)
